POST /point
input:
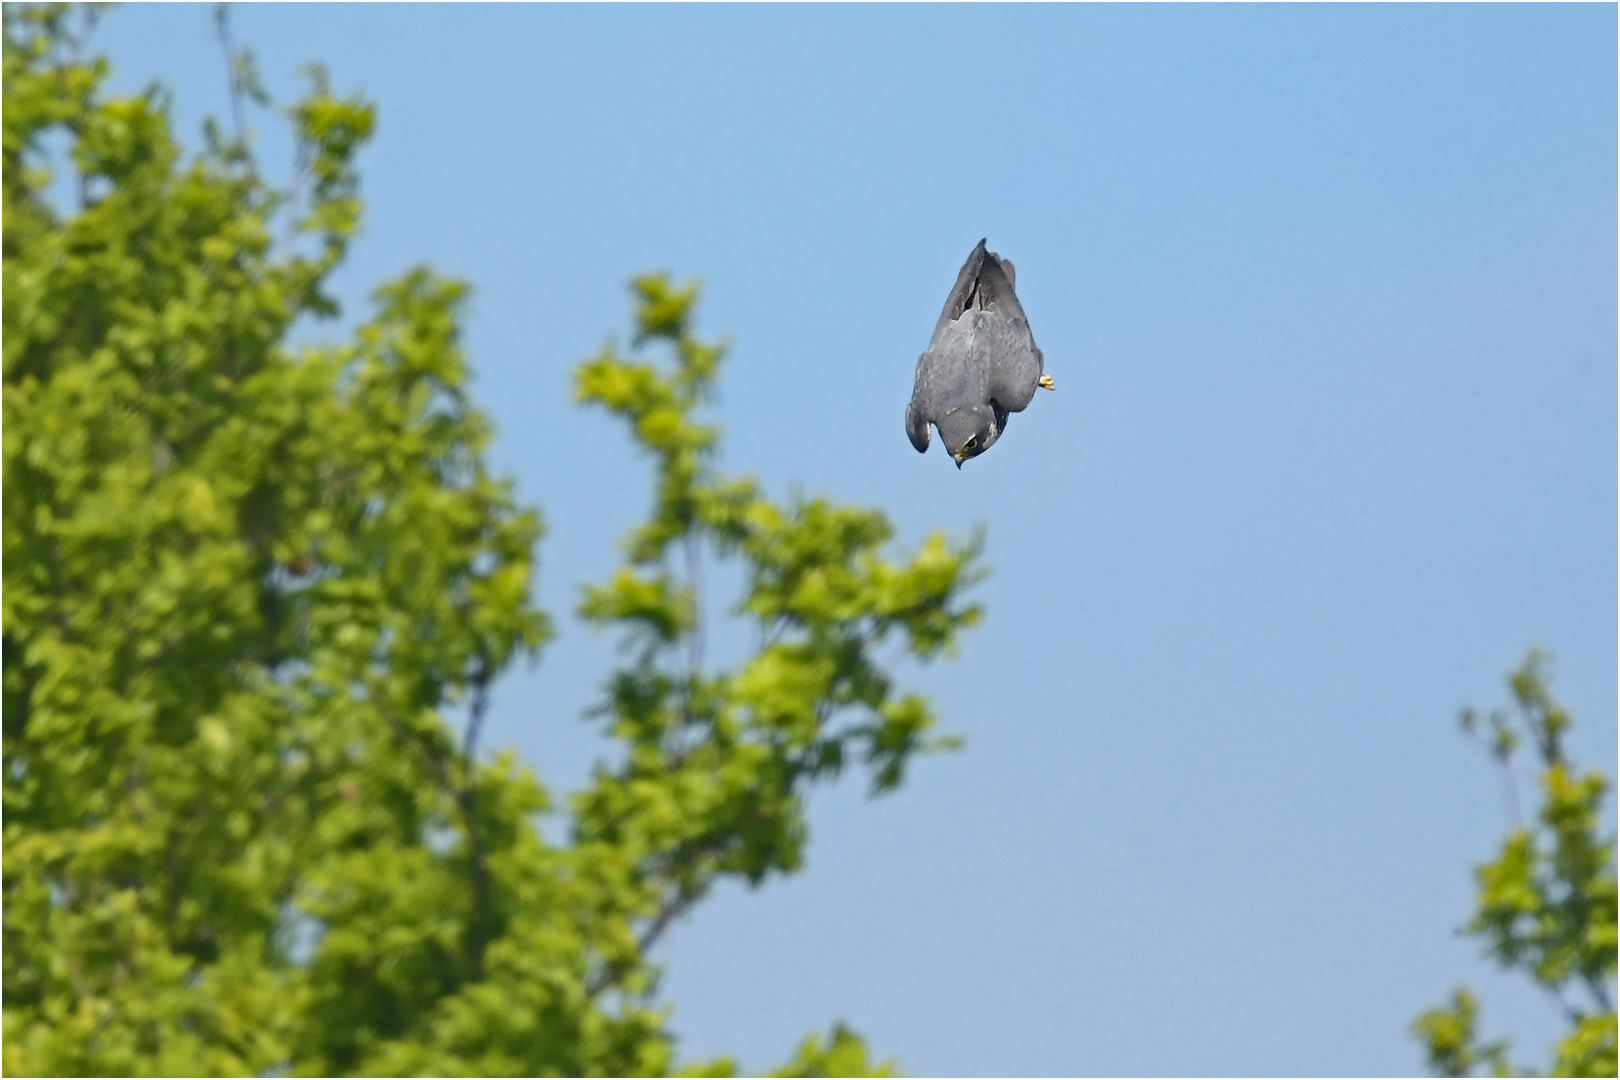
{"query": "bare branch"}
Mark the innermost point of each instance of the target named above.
(222, 28)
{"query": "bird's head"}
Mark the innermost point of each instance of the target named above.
(968, 431)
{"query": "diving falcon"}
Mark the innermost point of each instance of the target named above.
(981, 365)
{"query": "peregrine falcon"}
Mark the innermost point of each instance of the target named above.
(981, 365)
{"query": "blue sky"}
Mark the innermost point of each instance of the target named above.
(1329, 294)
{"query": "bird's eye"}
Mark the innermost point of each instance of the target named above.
(971, 443)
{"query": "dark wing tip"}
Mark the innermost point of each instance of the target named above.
(996, 284)
(916, 430)
(962, 292)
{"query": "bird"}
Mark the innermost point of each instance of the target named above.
(981, 364)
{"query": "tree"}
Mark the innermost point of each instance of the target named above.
(1546, 904)
(249, 591)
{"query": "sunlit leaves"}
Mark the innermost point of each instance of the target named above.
(842, 1053)
(1450, 1037)
(239, 585)
(254, 600)
(1547, 903)
(716, 781)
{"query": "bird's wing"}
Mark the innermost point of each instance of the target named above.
(962, 293)
(951, 374)
(990, 357)
(1014, 362)
(995, 286)
(933, 367)
(916, 428)
(926, 394)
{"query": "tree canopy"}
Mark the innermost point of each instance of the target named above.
(1546, 903)
(255, 597)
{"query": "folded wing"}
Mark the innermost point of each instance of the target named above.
(1014, 363)
(987, 358)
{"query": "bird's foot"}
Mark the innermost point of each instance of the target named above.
(1047, 383)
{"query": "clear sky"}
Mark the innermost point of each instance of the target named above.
(1329, 294)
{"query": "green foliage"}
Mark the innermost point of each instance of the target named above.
(247, 590)
(717, 763)
(1450, 1035)
(841, 1055)
(1547, 903)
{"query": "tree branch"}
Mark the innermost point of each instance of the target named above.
(672, 908)
(475, 717)
(482, 927)
(222, 28)
(694, 581)
(1600, 993)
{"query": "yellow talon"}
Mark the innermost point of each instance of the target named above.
(1047, 383)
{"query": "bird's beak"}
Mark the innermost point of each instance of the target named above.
(958, 458)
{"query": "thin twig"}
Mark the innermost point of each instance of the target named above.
(305, 163)
(1510, 783)
(466, 798)
(694, 581)
(1599, 992)
(670, 910)
(1572, 1014)
(222, 26)
(475, 717)
(678, 743)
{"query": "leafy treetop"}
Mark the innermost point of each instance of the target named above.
(248, 588)
(1547, 902)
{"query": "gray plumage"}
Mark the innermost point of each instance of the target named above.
(981, 366)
